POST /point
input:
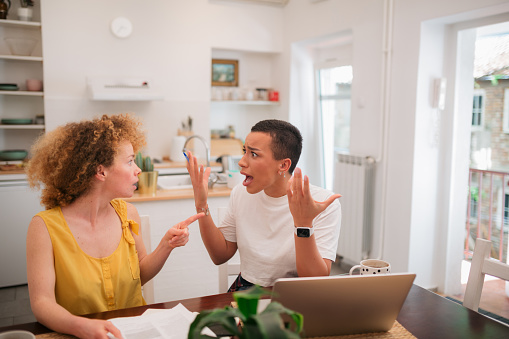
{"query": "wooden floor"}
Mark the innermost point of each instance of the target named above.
(493, 297)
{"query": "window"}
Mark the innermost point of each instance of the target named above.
(478, 109)
(335, 106)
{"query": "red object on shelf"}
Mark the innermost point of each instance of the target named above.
(273, 96)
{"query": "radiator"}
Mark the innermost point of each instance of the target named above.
(354, 180)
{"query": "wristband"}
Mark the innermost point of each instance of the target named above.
(204, 210)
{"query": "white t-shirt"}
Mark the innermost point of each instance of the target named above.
(263, 229)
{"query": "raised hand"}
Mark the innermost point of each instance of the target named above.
(302, 206)
(199, 179)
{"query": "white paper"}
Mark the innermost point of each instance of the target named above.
(158, 324)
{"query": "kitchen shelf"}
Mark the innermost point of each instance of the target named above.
(20, 24)
(21, 58)
(21, 126)
(27, 93)
(246, 102)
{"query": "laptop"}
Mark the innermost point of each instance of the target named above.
(349, 304)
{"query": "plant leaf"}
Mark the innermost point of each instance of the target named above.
(247, 301)
(276, 308)
(224, 317)
(271, 326)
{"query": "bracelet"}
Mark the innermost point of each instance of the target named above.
(204, 210)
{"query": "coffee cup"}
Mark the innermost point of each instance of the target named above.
(372, 266)
(17, 335)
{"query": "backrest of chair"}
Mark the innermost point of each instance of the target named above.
(229, 268)
(482, 264)
(148, 288)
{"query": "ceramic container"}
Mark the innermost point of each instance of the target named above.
(34, 85)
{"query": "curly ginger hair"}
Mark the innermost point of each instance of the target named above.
(66, 159)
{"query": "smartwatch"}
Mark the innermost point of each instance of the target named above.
(304, 232)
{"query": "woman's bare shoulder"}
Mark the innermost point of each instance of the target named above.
(132, 212)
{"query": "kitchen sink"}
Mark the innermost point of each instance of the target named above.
(183, 181)
(174, 182)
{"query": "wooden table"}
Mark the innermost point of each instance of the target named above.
(424, 314)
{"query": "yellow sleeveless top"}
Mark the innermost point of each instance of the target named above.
(85, 284)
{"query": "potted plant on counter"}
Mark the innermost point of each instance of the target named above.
(25, 12)
(266, 324)
(147, 183)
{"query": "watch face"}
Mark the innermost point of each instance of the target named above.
(303, 232)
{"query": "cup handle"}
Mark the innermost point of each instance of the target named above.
(354, 268)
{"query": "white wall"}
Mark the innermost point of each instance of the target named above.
(172, 41)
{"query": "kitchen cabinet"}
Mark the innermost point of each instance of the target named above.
(19, 205)
(16, 69)
(189, 272)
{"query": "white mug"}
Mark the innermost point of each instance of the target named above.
(372, 266)
(17, 335)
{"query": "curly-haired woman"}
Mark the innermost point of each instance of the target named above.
(85, 253)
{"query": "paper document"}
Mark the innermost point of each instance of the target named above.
(158, 324)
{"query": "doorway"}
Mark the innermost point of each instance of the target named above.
(465, 135)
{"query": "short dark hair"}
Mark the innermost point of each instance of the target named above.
(286, 139)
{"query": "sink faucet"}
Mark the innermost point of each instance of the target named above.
(212, 180)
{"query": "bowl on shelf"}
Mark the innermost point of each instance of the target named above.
(13, 155)
(21, 46)
(16, 121)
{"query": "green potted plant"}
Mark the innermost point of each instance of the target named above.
(25, 12)
(266, 324)
(147, 183)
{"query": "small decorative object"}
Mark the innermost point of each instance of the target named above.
(4, 8)
(225, 72)
(273, 95)
(147, 183)
(266, 324)
(34, 85)
(21, 46)
(25, 12)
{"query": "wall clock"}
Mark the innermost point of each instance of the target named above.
(121, 27)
